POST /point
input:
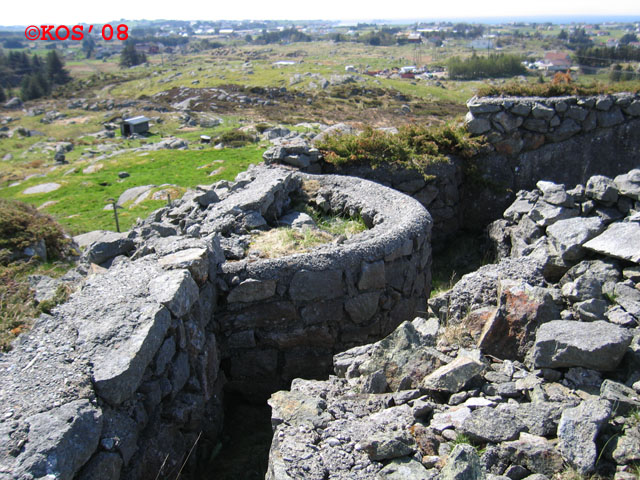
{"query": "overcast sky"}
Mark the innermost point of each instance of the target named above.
(68, 12)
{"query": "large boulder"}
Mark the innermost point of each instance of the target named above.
(596, 345)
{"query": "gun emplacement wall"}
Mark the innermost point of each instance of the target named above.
(120, 380)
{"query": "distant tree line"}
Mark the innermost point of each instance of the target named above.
(289, 35)
(605, 56)
(168, 41)
(491, 66)
(35, 77)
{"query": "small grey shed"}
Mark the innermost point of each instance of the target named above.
(139, 124)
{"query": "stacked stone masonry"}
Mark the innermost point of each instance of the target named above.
(514, 125)
(123, 379)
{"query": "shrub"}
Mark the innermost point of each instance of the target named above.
(21, 225)
(235, 138)
(525, 89)
(414, 146)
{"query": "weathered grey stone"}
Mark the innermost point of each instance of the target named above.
(542, 111)
(428, 329)
(578, 430)
(387, 445)
(121, 433)
(405, 468)
(494, 425)
(44, 286)
(591, 310)
(538, 125)
(196, 260)
(309, 285)
(521, 109)
(206, 198)
(633, 108)
(535, 453)
(176, 290)
(620, 317)
(602, 189)
(597, 345)
(628, 184)
(454, 376)
(452, 418)
(602, 271)
(508, 122)
(576, 113)
(481, 107)
(116, 377)
(463, 464)
(619, 240)
(545, 214)
(42, 188)
(565, 130)
(523, 204)
(165, 354)
(554, 194)
(400, 356)
(627, 447)
(362, 307)
(584, 288)
(295, 408)
(105, 245)
(568, 236)
(179, 372)
(297, 220)
(604, 103)
(624, 399)
(477, 126)
(610, 118)
(60, 441)
(252, 290)
(372, 276)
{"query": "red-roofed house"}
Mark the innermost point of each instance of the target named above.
(556, 61)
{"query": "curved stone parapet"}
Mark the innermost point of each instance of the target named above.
(284, 317)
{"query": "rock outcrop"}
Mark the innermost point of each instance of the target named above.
(524, 369)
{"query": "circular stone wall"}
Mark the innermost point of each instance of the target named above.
(285, 317)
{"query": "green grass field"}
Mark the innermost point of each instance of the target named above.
(80, 201)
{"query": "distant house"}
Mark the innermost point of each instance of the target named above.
(481, 44)
(139, 125)
(556, 62)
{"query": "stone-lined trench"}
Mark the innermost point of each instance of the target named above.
(123, 380)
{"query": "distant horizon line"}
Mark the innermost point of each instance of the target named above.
(492, 19)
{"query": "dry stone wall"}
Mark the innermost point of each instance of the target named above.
(123, 379)
(561, 139)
